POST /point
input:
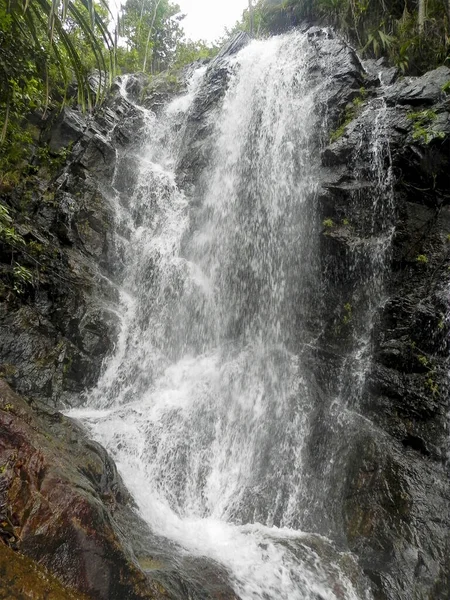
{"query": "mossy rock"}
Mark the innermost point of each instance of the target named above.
(24, 579)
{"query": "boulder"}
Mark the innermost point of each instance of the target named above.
(59, 496)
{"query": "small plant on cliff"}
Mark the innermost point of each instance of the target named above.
(432, 386)
(7, 232)
(430, 383)
(423, 360)
(347, 313)
(22, 278)
(328, 223)
(422, 258)
(422, 126)
(53, 162)
(350, 113)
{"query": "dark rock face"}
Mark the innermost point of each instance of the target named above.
(196, 147)
(56, 329)
(396, 494)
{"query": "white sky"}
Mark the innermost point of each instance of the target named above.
(206, 19)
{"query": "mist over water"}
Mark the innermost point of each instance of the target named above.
(206, 403)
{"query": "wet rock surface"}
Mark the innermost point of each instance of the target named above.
(389, 497)
(22, 579)
(59, 495)
(57, 325)
(396, 495)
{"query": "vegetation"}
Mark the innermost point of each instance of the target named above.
(45, 46)
(50, 48)
(414, 35)
(152, 31)
(423, 129)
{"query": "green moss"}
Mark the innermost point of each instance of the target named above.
(328, 223)
(346, 319)
(35, 248)
(150, 564)
(423, 360)
(53, 161)
(339, 132)
(22, 578)
(350, 113)
(68, 361)
(422, 258)
(7, 370)
(432, 386)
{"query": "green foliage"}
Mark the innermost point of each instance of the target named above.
(153, 32)
(378, 43)
(8, 234)
(446, 88)
(22, 278)
(339, 132)
(328, 223)
(422, 258)
(432, 386)
(44, 45)
(423, 360)
(422, 126)
(388, 28)
(189, 52)
(428, 367)
(53, 162)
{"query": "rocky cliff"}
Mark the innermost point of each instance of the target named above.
(396, 493)
(62, 504)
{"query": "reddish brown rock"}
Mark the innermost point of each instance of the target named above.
(59, 494)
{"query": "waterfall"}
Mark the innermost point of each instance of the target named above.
(207, 403)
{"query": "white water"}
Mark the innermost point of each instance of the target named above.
(204, 406)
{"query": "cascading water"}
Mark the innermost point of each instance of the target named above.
(206, 404)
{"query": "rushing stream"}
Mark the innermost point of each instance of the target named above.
(206, 404)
